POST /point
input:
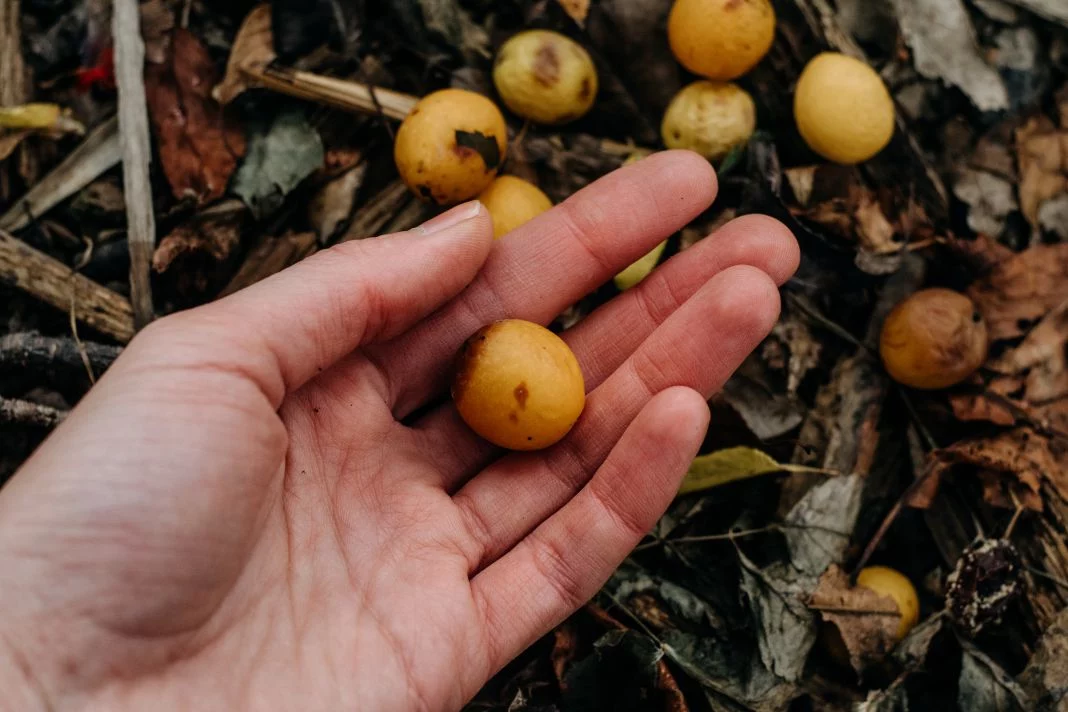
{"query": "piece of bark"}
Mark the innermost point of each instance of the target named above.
(35, 352)
(270, 256)
(136, 154)
(22, 412)
(379, 210)
(57, 284)
(12, 66)
(100, 151)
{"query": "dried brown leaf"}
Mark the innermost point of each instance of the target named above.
(252, 51)
(565, 649)
(1042, 155)
(875, 231)
(215, 234)
(866, 621)
(971, 407)
(1041, 359)
(1021, 289)
(10, 141)
(199, 147)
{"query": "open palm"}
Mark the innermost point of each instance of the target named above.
(267, 503)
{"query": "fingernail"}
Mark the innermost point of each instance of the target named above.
(450, 218)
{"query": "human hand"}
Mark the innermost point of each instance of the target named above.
(262, 504)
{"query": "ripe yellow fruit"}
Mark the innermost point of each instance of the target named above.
(511, 202)
(843, 109)
(933, 339)
(889, 582)
(710, 118)
(518, 385)
(448, 149)
(721, 39)
(545, 76)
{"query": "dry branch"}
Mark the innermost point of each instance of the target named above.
(48, 353)
(379, 210)
(340, 93)
(99, 152)
(136, 154)
(57, 284)
(26, 413)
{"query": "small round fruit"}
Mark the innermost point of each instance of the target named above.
(888, 582)
(450, 146)
(545, 77)
(710, 118)
(512, 202)
(518, 385)
(933, 339)
(721, 39)
(843, 109)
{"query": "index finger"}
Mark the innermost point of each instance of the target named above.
(541, 268)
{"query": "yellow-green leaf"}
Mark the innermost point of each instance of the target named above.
(640, 269)
(736, 463)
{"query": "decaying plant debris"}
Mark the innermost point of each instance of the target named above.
(271, 137)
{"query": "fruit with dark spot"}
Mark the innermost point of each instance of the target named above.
(512, 202)
(545, 76)
(450, 146)
(710, 118)
(518, 385)
(721, 39)
(933, 339)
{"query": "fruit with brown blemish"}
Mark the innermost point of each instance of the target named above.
(450, 146)
(709, 118)
(721, 39)
(545, 76)
(518, 385)
(512, 202)
(934, 339)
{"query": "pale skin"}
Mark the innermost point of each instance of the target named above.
(268, 502)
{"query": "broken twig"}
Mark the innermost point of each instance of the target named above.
(22, 412)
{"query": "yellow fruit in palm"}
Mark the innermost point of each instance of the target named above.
(721, 39)
(518, 385)
(545, 76)
(843, 109)
(448, 149)
(710, 118)
(888, 582)
(934, 339)
(512, 202)
(640, 269)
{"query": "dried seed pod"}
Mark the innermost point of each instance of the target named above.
(934, 339)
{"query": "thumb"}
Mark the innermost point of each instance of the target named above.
(303, 319)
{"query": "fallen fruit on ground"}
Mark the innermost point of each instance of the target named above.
(890, 582)
(710, 118)
(843, 109)
(641, 268)
(933, 339)
(450, 146)
(721, 39)
(518, 385)
(512, 202)
(545, 76)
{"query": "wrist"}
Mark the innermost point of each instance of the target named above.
(22, 690)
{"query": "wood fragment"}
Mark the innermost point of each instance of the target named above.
(136, 154)
(100, 151)
(340, 93)
(12, 66)
(53, 282)
(50, 354)
(22, 412)
(412, 214)
(273, 254)
(369, 220)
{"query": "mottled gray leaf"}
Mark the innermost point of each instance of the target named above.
(944, 47)
(990, 199)
(1045, 679)
(785, 627)
(829, 507)
(282, 151)
(1056, 10)
(985, 687)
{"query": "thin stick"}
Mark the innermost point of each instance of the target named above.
(136, 154)
(53, 282)
(49, 354)
(26, 413)
(1015, 517)
(728, 536)
(888, 520)
(81, 347)
(336, 92)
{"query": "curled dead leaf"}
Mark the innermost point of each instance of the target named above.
(252, 52)
(1042, 154)
(865, 622)
(1021, 288)
(214, 233)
